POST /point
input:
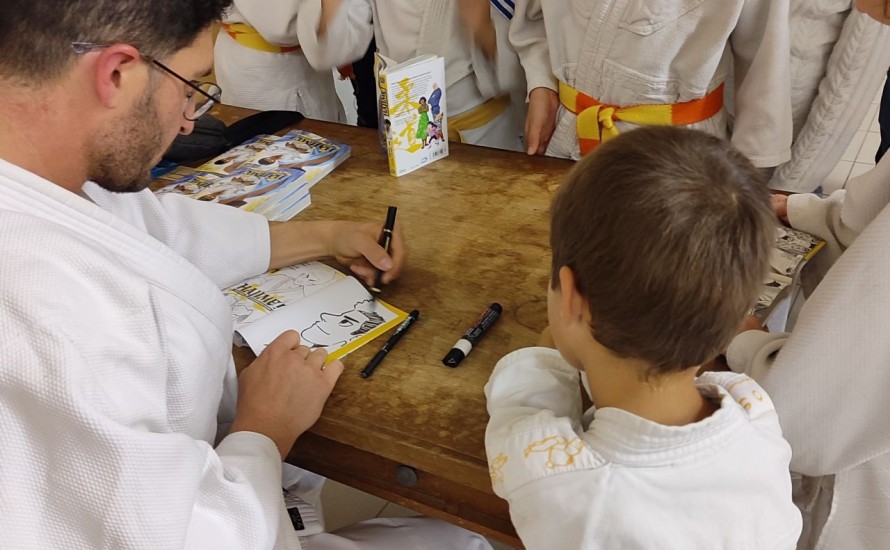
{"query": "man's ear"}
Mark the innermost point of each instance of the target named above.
(574, 304)
(116, 71)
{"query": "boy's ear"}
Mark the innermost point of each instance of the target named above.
(574, 304)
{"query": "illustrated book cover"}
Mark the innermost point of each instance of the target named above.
(328, 309)
(413, 120)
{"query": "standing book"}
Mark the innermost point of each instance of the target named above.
(329, 309)
(413, 121)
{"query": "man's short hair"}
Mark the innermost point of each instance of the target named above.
(668, 233)
(35, 46)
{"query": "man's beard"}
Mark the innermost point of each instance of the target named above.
(125, 154)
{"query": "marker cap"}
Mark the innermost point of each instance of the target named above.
(457, 353)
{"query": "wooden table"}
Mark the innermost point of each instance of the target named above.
(476, 225)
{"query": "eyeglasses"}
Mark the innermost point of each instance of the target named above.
(195, 105)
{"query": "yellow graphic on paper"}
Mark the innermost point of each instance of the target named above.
(560, 450)
(496, 469)
(406, 139)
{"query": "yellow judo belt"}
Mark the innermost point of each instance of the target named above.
(596, 121)
(477, 117)
(248, 36)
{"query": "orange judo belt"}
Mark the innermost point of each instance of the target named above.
(596, 120)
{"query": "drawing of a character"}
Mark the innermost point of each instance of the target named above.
(435, 99)
(298, 285)
(424, 111)
(292, 155)
(432, 132)
(240, 311)
(339, 329)
(191, 186)
(234, 159)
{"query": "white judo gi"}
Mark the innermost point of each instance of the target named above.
(117, 372)
(630, 52)
(298, 80)
(829, 380)
(626, 482)
(407, 28)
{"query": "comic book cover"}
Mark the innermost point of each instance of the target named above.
(412, 103)
(305, 150)
(314, 155)
(236, 157)
(189, 183)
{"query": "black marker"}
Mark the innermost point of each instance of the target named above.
(385, 240)
(391, 343)
(463, 346)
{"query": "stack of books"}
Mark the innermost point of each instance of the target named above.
(269, 175)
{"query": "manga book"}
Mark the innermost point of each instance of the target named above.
(327, 308)
(413, 122)
(269, 175)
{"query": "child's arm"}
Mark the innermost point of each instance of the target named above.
(532, 396)
(529, 38)
(346, 34)
(761, 52)
(841, 217)
(530, 382)
(534, 431)
(329, 32)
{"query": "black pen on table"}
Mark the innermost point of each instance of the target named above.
(391, 343)
(385, 241)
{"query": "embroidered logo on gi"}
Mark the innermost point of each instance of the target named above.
(560, 451)
(496, 469)
(750, 396)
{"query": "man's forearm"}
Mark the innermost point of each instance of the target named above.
(298, 241)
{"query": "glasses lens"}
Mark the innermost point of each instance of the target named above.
(199, 103)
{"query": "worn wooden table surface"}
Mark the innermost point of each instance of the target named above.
(476, 225)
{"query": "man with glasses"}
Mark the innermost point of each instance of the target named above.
(116, 379)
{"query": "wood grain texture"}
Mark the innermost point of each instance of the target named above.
(476, 225)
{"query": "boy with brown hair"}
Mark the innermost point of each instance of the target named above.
(660, 242)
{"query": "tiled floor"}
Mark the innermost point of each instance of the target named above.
(859, 156)
(344, 505)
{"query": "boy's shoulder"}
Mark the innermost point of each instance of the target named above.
(743, 390)
(544, 445)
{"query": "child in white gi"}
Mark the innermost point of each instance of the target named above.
(280, 55)
(480, 70)
(829, 376)
(660, 241)
(611, 56)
